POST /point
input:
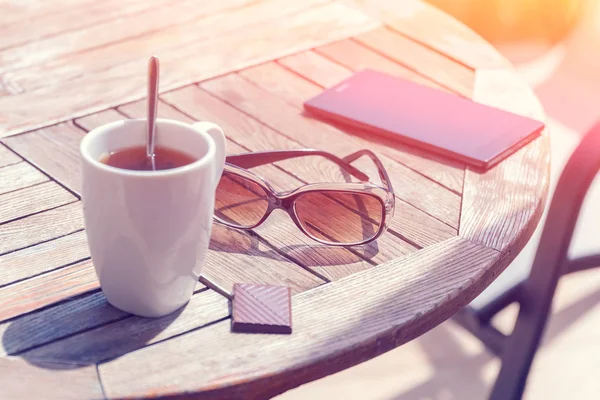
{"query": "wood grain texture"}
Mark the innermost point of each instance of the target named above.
(435, 66)
(49, 380)
(234, 256)
(147, 18)
(279, 231)
(335, 326)
(70, 17)
(18, 176)
(188, 25)
(356, 56)
(44, 257)
(41, 227)
(137, 109)
(8, 157)
(54, 150)
(92, 121)
(250, 133)
(31, 10)
(46, 289)
(502, 206)
(118, 338)
(434, 28)
(312, 66)
(288, 119)
(33, 199)
(197, 59)
(445, 171)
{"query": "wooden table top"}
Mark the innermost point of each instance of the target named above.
(247, 65)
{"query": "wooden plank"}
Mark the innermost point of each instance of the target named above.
(137, 109)
(54, 150)
(356, 56)
(162, 41)
(126, 335)
(41, 227)
(24, 11)
(410, 186)
(31, 200)
(46, 289)
(150, 17)
(312, 67)
(92, 121)
(279, 231)
(18, 176)
(432, 27)
(447, 172)
(502, 206)
(70, 18)
(335, 326)
(8, 157)
(418, 58)
(44, 257)
(21, 379)
(55, 322)
(411, 223)
(249, 133)
(196, 60)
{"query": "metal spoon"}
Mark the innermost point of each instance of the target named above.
(153, 73)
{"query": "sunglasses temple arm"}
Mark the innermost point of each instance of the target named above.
(255, 159)
(383, 175)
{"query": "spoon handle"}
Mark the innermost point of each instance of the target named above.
(153, 73)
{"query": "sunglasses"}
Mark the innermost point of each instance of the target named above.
(337, 214)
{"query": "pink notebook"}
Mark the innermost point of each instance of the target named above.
(431, 119)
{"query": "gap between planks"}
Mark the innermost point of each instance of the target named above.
(305, 29)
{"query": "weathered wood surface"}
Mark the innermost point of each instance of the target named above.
(18, 176)
(43, 257)
(40, 227)
(54, 150)
(33, 199)
(248, 66)
(8, 157)
(206, 47)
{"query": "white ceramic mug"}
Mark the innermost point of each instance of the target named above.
(149, 231)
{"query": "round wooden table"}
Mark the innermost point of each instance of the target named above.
(247, 66)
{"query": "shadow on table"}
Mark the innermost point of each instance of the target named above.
(110, 333)
(228, 240)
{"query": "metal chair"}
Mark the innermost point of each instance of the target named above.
(534, 294)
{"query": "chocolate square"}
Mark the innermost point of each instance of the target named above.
(261, 309)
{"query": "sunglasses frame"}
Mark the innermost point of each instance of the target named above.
(237, 164)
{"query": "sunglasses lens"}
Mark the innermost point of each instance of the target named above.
(339, 217)
(239, 201)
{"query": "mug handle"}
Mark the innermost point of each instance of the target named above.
(216, 133)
